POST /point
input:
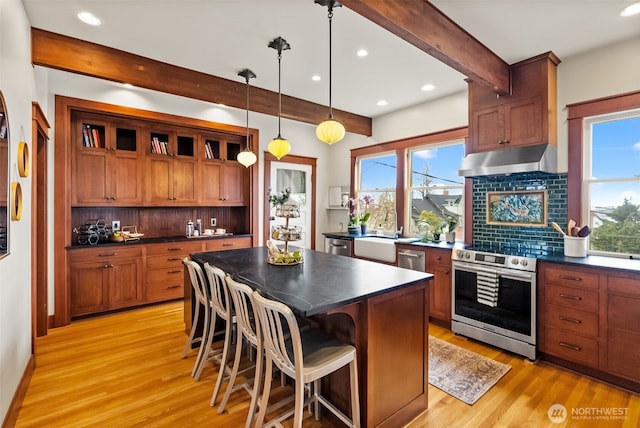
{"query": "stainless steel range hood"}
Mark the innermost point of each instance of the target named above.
(538, 158)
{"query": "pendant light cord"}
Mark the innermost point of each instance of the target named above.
(279, 91)
(248, 145)
(330, 67)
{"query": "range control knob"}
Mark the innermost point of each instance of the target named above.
(467, 255)
(524, 262)
(460, 254)
(514, 261)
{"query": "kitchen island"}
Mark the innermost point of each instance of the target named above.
(382, 310)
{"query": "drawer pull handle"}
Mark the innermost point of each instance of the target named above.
(108, 266)
(107, 254)
(175, 271)
(174, 259)
(573, 320)
(175, 249)
(570, 346)
(173, 286)
(569, 296)
(228, 245)
(571, 278)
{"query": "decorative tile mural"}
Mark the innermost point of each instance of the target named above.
(542, 240)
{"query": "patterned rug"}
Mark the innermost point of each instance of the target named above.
(461, 373)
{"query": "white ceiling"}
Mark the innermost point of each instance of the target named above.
(221, 37)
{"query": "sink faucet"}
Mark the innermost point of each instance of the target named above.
(398, 233)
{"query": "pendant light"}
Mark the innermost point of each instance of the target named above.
(279, 146)
(247, 157)
(330, 131)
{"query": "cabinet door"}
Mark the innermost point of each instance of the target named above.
(487, 130)
(126, 179)
(233, 184)
(184, 181)
(439, 263)
(211, 182)
(158, 180)
(90, 177)
(89, 287)
(524, 125)
(125, 285)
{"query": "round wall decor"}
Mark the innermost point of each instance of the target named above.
(23, 159)
(16, 201)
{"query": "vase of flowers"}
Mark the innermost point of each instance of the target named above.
(359, 214)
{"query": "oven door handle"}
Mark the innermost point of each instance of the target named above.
(502, 272)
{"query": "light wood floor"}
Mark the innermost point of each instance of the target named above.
(125, 370)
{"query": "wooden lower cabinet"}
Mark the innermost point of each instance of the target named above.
(591, 317)
(102, 279)
(439, 264)
(114, 277)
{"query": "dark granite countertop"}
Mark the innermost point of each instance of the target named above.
(323, 282)
(632, 265)
(159, 240)
(404, 241)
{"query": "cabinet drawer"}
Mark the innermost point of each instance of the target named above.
(227, 243)
(163, 284)
(570, 277)
(438, 257)
(160, 292)
(571, 347)
(572, 320)
(575, 298)
(182, 248)
(623, 313)
(99, 254)
(173, 260)
(624, 286)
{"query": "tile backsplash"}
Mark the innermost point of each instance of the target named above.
(533, 239)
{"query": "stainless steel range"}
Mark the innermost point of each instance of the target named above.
(494, 298)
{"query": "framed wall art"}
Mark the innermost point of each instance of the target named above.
(517, 208)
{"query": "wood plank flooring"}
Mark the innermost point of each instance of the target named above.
(125, 370)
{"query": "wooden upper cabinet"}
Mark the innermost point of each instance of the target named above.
(170, 167)
(525, 117)
(223, 178)
(106, 169)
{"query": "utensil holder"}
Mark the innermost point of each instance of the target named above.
(575, 247)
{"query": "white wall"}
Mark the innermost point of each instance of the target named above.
(17, 86)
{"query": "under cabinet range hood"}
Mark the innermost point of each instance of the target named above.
(537, 158)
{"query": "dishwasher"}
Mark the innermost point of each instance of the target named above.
(411, 259)
(338, 246)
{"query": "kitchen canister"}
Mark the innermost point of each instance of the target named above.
(575, 246)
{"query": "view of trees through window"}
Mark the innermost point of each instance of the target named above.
(434, 193)
(612, 181)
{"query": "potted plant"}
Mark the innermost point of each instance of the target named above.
(358, 222)
(451, 222)
(429, 226)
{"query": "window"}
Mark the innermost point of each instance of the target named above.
(435, 192)
(377, 180)
(611, 183)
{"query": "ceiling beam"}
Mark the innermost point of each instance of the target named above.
(424, 26)
(90, 59)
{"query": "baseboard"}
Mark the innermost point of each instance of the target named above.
(16, 403)
(51, 321)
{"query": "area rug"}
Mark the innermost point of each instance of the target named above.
(463, 374)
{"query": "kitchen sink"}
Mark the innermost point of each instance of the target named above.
(375, 248)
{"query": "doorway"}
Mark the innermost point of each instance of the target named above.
(298, 174)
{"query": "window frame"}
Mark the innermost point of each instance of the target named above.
(577, 114)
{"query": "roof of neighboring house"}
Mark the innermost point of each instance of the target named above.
(441, 205)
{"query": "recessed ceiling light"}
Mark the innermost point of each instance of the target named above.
(382, 103)
(89, 18)
(316, 78)
(362, 53)
(428, 87)
(632, 9)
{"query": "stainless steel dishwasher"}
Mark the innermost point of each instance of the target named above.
(338, 246)
(411, 259)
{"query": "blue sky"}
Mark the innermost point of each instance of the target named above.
(616, 154)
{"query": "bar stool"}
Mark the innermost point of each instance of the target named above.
(248, 329)
(222, 308)
(199, 286)
(306, 357)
